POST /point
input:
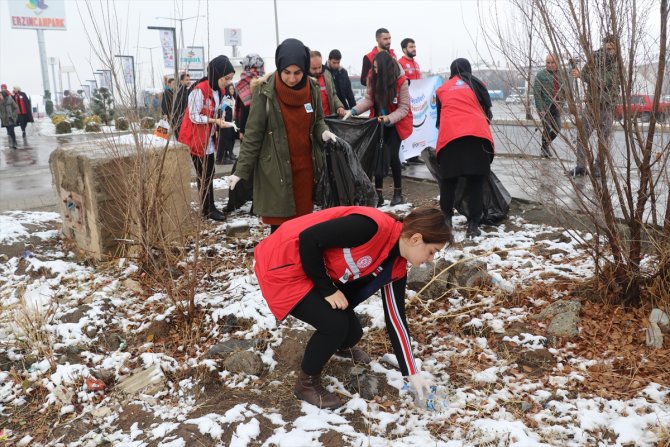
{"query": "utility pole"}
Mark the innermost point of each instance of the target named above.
(52, 62)
(151, 57)
(276, 24)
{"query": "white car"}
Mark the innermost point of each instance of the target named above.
(513, 99)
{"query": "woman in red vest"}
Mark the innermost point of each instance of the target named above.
(319, 267)
(387, 98)
(464, 142)
(199, 128)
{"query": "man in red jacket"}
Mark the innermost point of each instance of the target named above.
(411, 67)
(383, 44)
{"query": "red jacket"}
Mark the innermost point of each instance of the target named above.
(195, 135)
(411, 67)
(283, 281)
(405, 125)
(460, 114)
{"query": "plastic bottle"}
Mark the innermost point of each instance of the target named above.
(435, 400)
(502, 283)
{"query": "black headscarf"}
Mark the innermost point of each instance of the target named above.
(461, 67)
(217, 68)
(293, 52)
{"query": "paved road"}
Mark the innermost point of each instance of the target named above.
(25, 178)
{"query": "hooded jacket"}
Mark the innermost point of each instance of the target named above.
(264, 150)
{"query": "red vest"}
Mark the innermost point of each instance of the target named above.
(411, 67)
(461, 114)
(195, 135)
(405, 125)
(324, 95)
(371, 55)
(278, 267)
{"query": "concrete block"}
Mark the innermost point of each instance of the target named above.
(114, 194)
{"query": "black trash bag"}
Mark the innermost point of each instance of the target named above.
(343, 181)
(243, 192)
(496, 198)
(364, 135)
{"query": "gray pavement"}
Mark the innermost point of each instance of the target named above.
(25, 178)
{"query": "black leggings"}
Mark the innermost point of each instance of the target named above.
(335, 329)
(473, 186)
(204, 168)
(392, 149)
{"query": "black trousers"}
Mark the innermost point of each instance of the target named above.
(11, 134)
(225, 144)
(474, 187)
(204, 168)
(551, 126)
(22, 120)
(392, 151)
(335, 329)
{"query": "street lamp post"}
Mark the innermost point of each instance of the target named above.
(181, 25)
(151, 57)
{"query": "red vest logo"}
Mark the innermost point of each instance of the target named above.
(363, 262)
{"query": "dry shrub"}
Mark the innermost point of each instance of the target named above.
(30, 327)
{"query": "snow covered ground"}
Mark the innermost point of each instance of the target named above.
(71, 332)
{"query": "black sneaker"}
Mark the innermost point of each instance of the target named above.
(577, 172)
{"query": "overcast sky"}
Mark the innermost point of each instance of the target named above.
(443, 30)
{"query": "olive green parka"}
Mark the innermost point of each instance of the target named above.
(264, 151)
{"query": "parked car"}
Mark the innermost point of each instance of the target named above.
(640, 108)
(513, 99)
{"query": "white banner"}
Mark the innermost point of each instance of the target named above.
(99, 80)
(167, 43)
(107, 76)
(87, 90)
(37, 14)
(127, 65)
(192, 58)
(93, 84)
(424, 109)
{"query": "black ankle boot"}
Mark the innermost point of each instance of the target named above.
(397, 197)
(473, 230)
(380, 198)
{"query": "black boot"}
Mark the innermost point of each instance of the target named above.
(380, 198)
(397, 197)
(473, 230)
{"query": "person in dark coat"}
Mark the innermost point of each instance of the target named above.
(464, 141)
(25, 114)
(8, 116)
(181, 101)
(167, 102)
(341, 80)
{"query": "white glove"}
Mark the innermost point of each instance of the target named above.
(347, 115)
(232, 181)
(328, 135)
(420, 385)
(230, 124)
